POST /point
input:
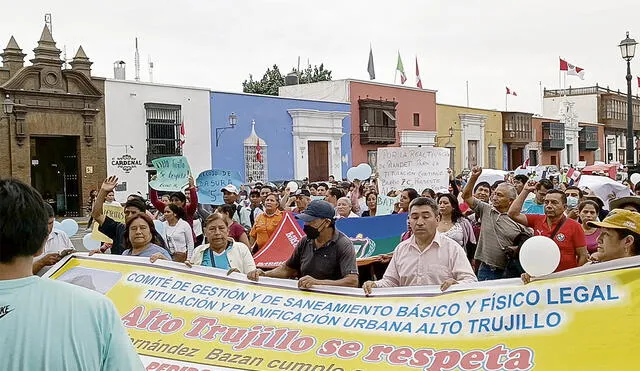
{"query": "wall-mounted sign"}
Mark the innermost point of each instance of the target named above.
(126, 163)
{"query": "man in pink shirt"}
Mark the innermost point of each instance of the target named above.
(428, 257)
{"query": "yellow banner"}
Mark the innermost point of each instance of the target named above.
(114, 212)
(199, 319)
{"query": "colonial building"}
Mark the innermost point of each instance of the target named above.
(516, 135)
(602, 112)
(146, 121)
(52, 131)
(472, 135)
(382, 115)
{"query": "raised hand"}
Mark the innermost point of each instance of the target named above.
(476, 171)
(109, 184)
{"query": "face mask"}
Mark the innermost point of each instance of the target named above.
(572, 202)
(311, 232)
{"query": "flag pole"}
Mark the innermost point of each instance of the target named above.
(560, 78)
(541, 100)
(506, 98)
(467, 93)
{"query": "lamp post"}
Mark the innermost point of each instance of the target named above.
(628, 49)
(233, 120)
(7, 105)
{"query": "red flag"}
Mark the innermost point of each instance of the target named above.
(183, 134)
(281, 244)
(258, 151)
(564, 66)
(639, 81)
(419, 80)
(511, 92)
(525, 165)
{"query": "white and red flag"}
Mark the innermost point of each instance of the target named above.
(511, 92)
(418, 79)
(571, 69)
(258, 151)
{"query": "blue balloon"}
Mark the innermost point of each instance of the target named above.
(56, 225)
(159, 226)
(70, 227)
(89, 243)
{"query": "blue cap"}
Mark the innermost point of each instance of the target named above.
(317, 209)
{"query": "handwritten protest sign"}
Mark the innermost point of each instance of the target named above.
(385, 204)
(173, 173)
(417, 168)
(211, 182)
(201, 318)
(114, 212)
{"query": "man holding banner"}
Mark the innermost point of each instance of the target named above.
(84, 332)
(325, 257)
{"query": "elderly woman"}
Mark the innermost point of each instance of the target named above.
(221, 251)
(266, 223)
(139, 238)
(344, 208)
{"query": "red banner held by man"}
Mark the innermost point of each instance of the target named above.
(281, 244)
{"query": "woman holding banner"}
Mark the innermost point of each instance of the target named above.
(266, 223)
(177, 233)
(221, 251)
(140, 238)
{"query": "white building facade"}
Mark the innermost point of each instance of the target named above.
(146, 121)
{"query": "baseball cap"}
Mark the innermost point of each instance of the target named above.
(230, 188)
(317, 209)
(620, 219)
(622, 201)
(303, 192)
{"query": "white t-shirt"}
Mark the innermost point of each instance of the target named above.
(197, 227)
(56, 241)
(179, 238)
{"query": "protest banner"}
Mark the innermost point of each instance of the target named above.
(419, 168)
(211, 182)
(114, 212)
(582, 319)
(172, 173)
(385, 204)
(281, 244)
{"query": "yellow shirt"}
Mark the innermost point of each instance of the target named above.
(264, 227)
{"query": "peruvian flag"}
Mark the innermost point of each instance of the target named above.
(258, 151)
(639, 81)
(571, 69)
(525, 165)
(418, 79)
(511, 92)
(281, 244)
(183, 134)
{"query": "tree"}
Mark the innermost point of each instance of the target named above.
(273, 79)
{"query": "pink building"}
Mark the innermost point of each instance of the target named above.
(382, 115)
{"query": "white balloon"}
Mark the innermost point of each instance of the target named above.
(89, 243)
(539, 256)
(293, 186)
(159, 226)
(70, 227)
(364, 170)
(635, 178)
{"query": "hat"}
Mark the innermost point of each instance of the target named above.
(620, 219)
(622, 201)
(317, 209)
(230, 188)
(303, 192)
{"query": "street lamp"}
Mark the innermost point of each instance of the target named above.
(628, 49)
(233, 120)
(7, 105)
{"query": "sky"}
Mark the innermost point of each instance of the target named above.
(492, 44)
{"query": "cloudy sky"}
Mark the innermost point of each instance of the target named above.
(217, 44)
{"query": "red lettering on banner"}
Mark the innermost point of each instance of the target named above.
(168, 367)
(472, 360)
(154, 321)
(339, 348)
(400, 356)
(444, 360)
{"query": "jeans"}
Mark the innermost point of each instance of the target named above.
(487, 272)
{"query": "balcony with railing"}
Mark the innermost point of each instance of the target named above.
(377, 121)
(516, 127)
(588, 138)
(552, 136)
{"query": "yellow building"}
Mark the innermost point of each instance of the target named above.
(473, 135)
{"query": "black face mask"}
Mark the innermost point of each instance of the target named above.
(311, 232)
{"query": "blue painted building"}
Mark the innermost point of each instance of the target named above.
(296, 138)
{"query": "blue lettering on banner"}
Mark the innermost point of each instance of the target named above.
(211, 182)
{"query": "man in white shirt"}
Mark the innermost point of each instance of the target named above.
(428, 257)
(56, 247)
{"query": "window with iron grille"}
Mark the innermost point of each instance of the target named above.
(163, 130)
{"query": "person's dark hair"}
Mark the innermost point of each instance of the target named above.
(425, 201)
(49, 210)
(23, 220)
(637, 187)
(227, 209)
(254, 191)
(623, 233)
(456, 214)
(558, 192)
(580, 194)
(482, 184)
(134, 202)
(133, 195)
(496, 184)
(521, 178)
(180, 214)
(180, 196)
(412, 193)
(313, 186)
(274, 194)
(336, 192)
(152, 230)
(366, 197)
(587, 203)
(429, 191)
(546, 184)
(323, 185)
